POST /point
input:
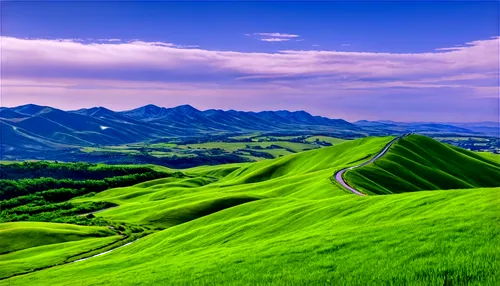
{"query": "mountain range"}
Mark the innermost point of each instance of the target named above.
(32, 127)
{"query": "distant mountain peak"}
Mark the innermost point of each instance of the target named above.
(32, 109)
(186, 108)
(151, 107)
(99, 111)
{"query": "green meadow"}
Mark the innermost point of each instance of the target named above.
(418, 163)
(27, 246)
(252, 147)
(431, 218)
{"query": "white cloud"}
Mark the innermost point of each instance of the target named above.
(274, 40)
(345, 45)
(108, 40)
(277, 35)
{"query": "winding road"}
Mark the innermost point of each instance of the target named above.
(340, 179)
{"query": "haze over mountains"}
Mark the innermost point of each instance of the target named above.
(33, 127)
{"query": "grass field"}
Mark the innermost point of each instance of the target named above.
(25, 246)
(229, 146)
(424, 238)
(167, 202)
(285, 222)
(490, 156)
(331, 140)
(168, 150)
(417, 163)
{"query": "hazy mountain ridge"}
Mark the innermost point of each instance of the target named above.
(34, 127)
(40, 127)
(485, 128)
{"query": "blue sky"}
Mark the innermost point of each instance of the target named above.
(410, 61)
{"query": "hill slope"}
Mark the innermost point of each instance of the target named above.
(283, 222)
(347, 240)
(306, 175)
(417, 163)
(25, 246)
(21, 235)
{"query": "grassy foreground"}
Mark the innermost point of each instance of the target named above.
(283, 222)
(26, 246)
(424, 238)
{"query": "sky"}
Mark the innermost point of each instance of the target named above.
(391, 60)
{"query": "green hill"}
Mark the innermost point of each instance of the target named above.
(286, 222)
(16, 236)
(421, 238)
(166, 202)
(26, 246)
(417, 163)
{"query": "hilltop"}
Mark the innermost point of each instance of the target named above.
(417, 163)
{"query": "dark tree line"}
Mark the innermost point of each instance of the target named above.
(74, 171)
(46, 198)
(15, 188)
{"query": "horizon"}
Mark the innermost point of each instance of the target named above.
(355, 61)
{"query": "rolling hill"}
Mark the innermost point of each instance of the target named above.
(284, 221)
(26, 246)
(417, 163)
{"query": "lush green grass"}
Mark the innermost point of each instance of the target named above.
(331, 140)
(418, 163)
(424, 238)
(167, 202)
(490, 156)
(114, 149)
(272, 138)
(230, 146)
(285, 222)
(169, 150)
(16, 236)
(41, 257)
(25, 246)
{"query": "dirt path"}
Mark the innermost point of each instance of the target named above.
(339, 174)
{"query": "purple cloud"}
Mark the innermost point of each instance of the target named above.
(277, 35)
(36, 70)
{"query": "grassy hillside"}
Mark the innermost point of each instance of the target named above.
(167, 202)
(423, 238)
(490, 156)
(16, 236)
(331, 140)
(418, 163)
(25, 246)
(286, 222)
